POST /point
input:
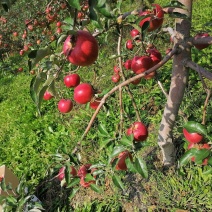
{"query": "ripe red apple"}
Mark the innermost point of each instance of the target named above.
(81, 48)
(192, 137)
(121, 165)
(61, 174)
(134, 33)
(201, 35)
(141, 63)
(156, 18)
(58, 30)
(20, 69)
(136, 82)
(83, 93)
(116, 69)
(115, 78)
(72, 80)
(21, 52)
(127, 64)
(129, 44)
(65, 105)
(139, 131)
(155, 55)
(47, 95)
(59, 24)
(95, 103)
(30, 27)
(15, 34)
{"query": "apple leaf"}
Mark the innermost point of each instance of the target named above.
(210, 161)
(73, 192)
(130, 165)
(3, 185)
(187, 156)
(67, 173)
(178, 15)
(100, 3)
(98, 172)
(127, 140)
(201, 154)
(117, 182)
(75, 4)
(141, 167)
(97, 165)
(95, 188)
(105, 10)
(73, 182)
(89, 177)
(192, 126)
(175, 4)
(116, 151)
(102, 130)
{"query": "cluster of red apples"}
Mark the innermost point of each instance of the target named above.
(81, 173)
(196, 141)
(140, 64)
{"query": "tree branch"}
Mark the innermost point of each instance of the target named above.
(197, 68)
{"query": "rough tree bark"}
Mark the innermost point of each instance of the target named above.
(177, 88)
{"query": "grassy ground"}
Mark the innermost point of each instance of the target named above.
(28, 142)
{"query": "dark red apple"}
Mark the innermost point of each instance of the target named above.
(20, 69)
(121, 165)
(81, 48)
(139, 131)
(83, 93)
(72, 80)
(134, 33)
(61, 174)
(95, 103)
(65, 105)
(116, 69)
(115, 78)
(127, 64)
(192, 137)
(47, 95)
(156, 18)
(141, 63)
(201, 35)
(129, 44)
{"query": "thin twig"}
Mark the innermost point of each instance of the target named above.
(208, 91)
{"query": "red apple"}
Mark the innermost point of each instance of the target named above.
(95, 103)
(192, 137)
(155, 55)
(155, 20)
(59, 24)
(21, 52)
(141, 63)
(116, 69)
(127, 64)
(83, 93)
(20, 69)
(136, 82)
(201, 35)
(81, 48)
(121, 165)
(115, 78)
(65, 105)
(139, 131)
(129, 44)
(61, 174)
(15, 34)
(134, 33)
(58, 30)
(47, 95)
(72, 80)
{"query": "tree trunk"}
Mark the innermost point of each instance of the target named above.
(177, 88)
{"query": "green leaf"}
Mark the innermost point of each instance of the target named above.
(141, 167)
(73, 192)
(67, 173)
(37, 55)
(32, 90)
(75, 4)
(73, 182)
(3, 185)
(95, 188)
(97, 165)
(178, 15)
(117, 181)
(12, 201)
(130, 165)
(201, 154)
(116, 151)
(127, 140)
(105, 10)
(192, 126)
(187, 156)
(98, 172)
(100, 3)
(175, 4)
(103, 130)
(210, 161)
